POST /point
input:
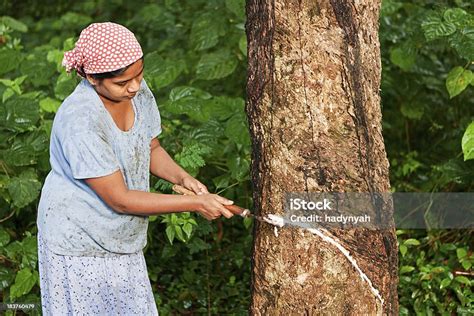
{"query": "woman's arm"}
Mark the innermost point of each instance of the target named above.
(114, 192)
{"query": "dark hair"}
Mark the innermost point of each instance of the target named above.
(107, 75)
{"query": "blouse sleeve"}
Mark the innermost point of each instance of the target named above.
(155, 121)
(89, 156)
(154, 118)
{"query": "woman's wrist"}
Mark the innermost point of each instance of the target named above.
(182, 177)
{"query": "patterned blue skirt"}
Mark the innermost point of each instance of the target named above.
(74, 285)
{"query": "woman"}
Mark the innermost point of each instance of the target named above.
(94, 206)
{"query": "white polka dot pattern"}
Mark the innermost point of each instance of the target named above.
(103, 47)
(77, 285)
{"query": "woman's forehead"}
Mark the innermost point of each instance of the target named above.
(133, 71)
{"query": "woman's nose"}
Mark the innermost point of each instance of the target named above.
(134, 87)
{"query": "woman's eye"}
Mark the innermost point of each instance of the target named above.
(122, 84)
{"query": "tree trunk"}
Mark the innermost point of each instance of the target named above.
(313, 106)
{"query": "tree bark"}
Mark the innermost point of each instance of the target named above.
(313, 107)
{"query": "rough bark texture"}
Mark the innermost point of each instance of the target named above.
(313, 105)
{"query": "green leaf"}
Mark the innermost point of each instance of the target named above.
(466, 264)
(445, 283)
(189, 106)
(6, 82)
(47, 126)
(49, 105)
(186, 92)
(65, 85)
(216, 65)
(24, 282)
(9, 60)
(6, 277)
(19, 113)
(38, 69)
(163, 185)
(406, 269)
(434, 27)
(389, 7)
(458, 79)
(191, 157)
(4, 237)
(174, 219)
(170, 233)
(55, 56)
(403, 57)
(247, 222)
(72, 19)
(13, 85)
(188, 229)
(24, 189)
(243, 44)
(26, 148)
(456, 16)
(447, 247)
(461, 253)
(156, 19)
(14, 24)
(196, 244)
(438, 270)
(403, 250)
(467, 142)
(13, 250)
(29, 251)
(411, 242)
(179, 233)
(463, 42)
(239, 167)
(462, 279)
(223, 107)
(237, 7)
(413, 110)
(237, 130)
(162, 72)
(7, 94)
(205, 31)
(221, 181)
(460, 295)
(20, 80)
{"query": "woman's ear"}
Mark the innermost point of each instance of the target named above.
(91, 80)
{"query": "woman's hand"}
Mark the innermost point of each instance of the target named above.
(192, 184)
(212, 206)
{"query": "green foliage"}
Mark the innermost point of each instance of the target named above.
(24, 189)
(468, 142)
(427, 78)
(432, 273)
(457, 81)
(179, 226)
(195, 63)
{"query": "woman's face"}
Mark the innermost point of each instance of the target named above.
(120, 88)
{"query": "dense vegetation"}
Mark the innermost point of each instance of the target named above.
(196, 65)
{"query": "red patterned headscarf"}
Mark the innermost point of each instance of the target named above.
(103, 47)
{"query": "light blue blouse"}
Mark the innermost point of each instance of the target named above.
(86, 143)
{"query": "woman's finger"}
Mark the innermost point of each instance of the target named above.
(193, 186)
(202, 188)
(224, 201)
(226, 212)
